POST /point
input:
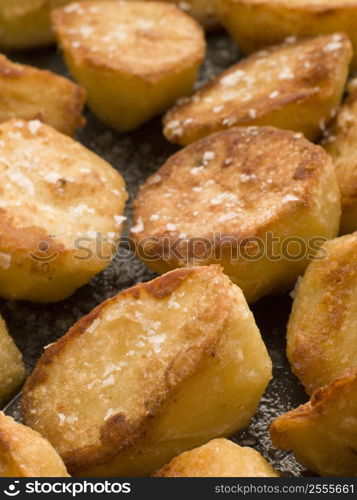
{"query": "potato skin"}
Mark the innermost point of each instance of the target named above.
(25, 453)
(29, 93)
(12, 368)
(150, 395)
(56, 196)
(340, 144)
(25, 24)
(322, 326)
(225, 198)
(157, 57)
(290, 86)
(256, 24)
(323, 433)
(218, 458)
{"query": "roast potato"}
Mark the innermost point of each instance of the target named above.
(323, 433)
(133, 58)
(341, 145)
(30, 93)
(25, 453)
(205, 11)
(26, 24)
(218, 458)
(12, 369)
(255, 24)
(159, 369)
(256, 200)
(322, 327)
(292, 86)
(60, 212)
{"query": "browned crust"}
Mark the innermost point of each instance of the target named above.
(76, 95)
(14, 239)
(293, 92)
(83, 57)
(312, 159)
(340, 144)
(319, 9)
(335, 277)
(301, 416)
(119, 433)
(159, 288)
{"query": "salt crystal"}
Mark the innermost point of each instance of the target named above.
(93, 326)
(139, 227)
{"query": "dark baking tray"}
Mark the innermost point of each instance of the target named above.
(136, 156)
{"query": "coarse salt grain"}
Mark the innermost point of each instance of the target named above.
(139, 227)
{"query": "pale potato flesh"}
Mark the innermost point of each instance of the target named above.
(341, 145)
(26, 24)
(133, 58)
(291, 86)
(29, 93)
(218, 458)
(25, 453)
(57, 199)
(323, 433)
(12, 369)
(157, 370)
(229, 189)
(256, 24)
(322, 327)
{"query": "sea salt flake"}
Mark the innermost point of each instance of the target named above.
(139, 227)
(93, 326)
(109, 381)
(5, 260)
(34, 126)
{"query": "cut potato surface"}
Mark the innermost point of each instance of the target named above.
(341, 145)
(26, 24)
(291, 86)
(12, 369)
(256, 200)
(25, 453)
(256, 24)
(133, 58)
(159, 369)
(61, 212)
(29, 93)
(323, 433)
(218, 458)
(322, 327)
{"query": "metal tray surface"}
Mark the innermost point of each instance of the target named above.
(136, 156)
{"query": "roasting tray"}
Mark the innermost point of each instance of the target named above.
(136, 156)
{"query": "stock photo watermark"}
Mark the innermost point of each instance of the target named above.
(190, 250)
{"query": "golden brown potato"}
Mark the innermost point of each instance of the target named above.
(205, 11)
(323, 433)
(133, 58)
(154, 371)
(25, 453)
(218, 458)
(341, 145)
(61, 212)
(30, 93)
(292, 86)
(255, 200)
(322, 327)
(25, 24)
(12, 369)
(255, 24)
